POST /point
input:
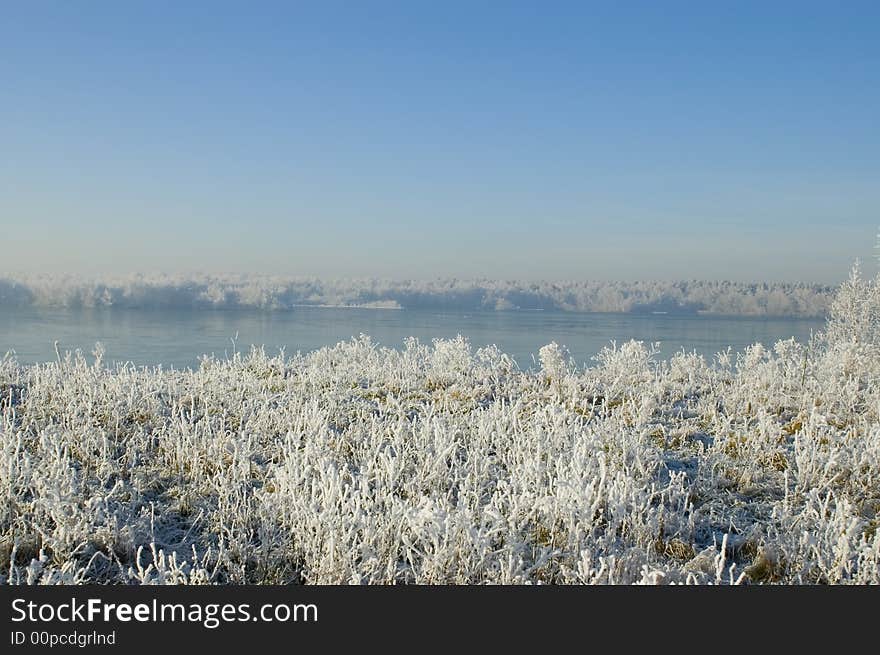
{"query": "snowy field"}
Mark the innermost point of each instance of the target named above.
(440, 463)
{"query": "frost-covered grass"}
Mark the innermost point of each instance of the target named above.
(441, 464)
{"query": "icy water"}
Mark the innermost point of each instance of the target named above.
(176, 337)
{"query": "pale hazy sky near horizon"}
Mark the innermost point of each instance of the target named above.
(410, 140)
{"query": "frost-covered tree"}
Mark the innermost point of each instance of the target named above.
(275, 292)
(855, 312)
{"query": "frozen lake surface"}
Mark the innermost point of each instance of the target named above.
(178, 337)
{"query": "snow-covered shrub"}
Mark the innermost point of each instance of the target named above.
(854, 316)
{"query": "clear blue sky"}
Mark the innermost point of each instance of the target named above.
(535, 140)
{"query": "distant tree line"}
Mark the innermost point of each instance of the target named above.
(276, 292)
